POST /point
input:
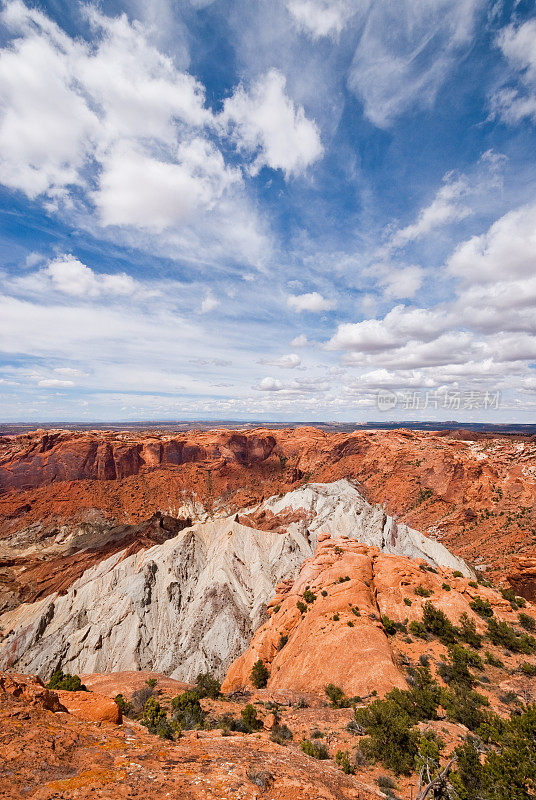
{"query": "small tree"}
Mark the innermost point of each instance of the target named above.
(259, 674)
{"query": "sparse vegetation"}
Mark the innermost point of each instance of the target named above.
(206, 685)
(420, 591)
(314, 749)
(301, 606)
(309, 596)
(62, 681)
(481, 607)
(259, 674)
(187, 711)
(336, 696)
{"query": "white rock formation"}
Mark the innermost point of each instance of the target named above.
(193, 603)
(338, 508)
(189, 605)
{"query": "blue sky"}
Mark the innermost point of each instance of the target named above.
(216, 209)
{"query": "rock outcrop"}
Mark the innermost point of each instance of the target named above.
(193, 603)
(183, 607)
(30, 690)
(91, 707)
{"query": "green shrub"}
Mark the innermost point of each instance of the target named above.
(391, 739)
(467, 632)
(342, 758)
(493, 660)
(481, 607)
(528, 669)
(407, 601)
(527, 622)
(388, 625)
(155, 720)
(259, 674)
(281, 734)
(336, 696)
(187, 711)
(206, 685)
(62, 681)
(457, 574)
(422, 592)
(314, 749)
(124, 706)
(501, 633)
(249, 717)
(282, 641)
(324, 593)
(301, 606)
(438, 624)
(417, 629)
(309, 596)
(456, 670)
(151, 682)
(445, 587)
(336, 618)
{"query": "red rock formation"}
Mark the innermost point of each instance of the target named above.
(30, 690)
(91, 707)
(522, 576)
(476, 493)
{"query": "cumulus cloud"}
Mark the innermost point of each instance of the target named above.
(300, 341)
(507, 249)
(319, 18)
(265, 122)
(391, 73)
(269, 385)
(402, 283)
(311, 301)
(67, 275)
(518, 44)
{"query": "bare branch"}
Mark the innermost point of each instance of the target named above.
(423, 794)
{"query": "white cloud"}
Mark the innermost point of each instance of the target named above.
(406, 51)
(311, 301)
(507, 250)
(210, 302)
(53, 383)
(290, 361)
(267, 123)
(447, 206)
(320, 18)
(141, 191)
(269, 385)
(66, 274)
(300, 341)
(403, 283)
(518, 44)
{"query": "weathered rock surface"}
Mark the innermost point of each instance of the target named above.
(30, 690)
(193, 603)
(476, 493)
(522, 576)
(183, 607)
(91, 707)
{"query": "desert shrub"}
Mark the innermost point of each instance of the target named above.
(336, 618)
(457, 574)
(324, 593)
(259, 674)
(385, 782)
(527, 622)
(528, 669)
(316, 734)
(390, 627)
(151, 682)
(481, 607)
(282, 641)
(417, 629)
(309, 596)
(438, 624)
(473, 584)
(420, 591)
(124, 706)
(155, 720)
(187, 711)
(206, 685)
(407, 601)
(336, 696)
(391, 739)
(342, 758)
(521, 602)
(314, 749)
(468, 633)
(493, 660)
(446, 587)
(281, 734)
(456, 670)
(500, 633)
(301, 606)
(424, 660)
(65, 682)
(466, 706)
(249, 717)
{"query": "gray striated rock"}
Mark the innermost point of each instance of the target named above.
(189, 605)
(193, 603)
